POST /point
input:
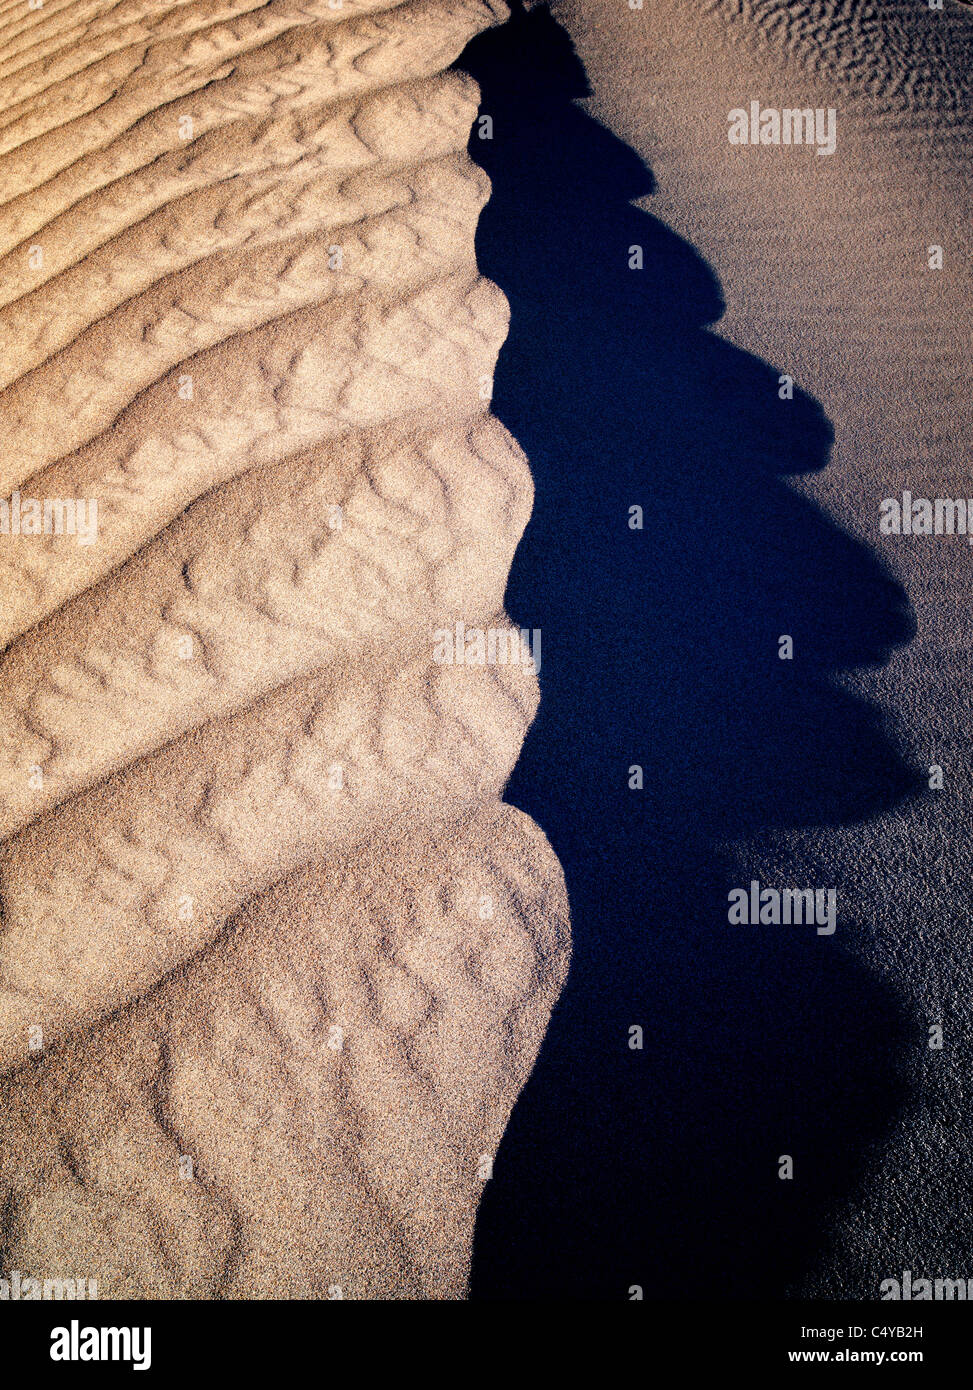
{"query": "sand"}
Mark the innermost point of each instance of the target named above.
(286, 1008)
(276, 959)
(823, 267)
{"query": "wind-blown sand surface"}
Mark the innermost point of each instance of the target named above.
(282, 974)
(275, 958)
(824, 267)
(764, 1042)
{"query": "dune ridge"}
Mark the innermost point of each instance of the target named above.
(241, 806)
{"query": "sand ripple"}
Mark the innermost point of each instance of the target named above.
(240, 309)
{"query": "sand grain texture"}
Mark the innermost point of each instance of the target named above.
(824, 266)
(276, 959)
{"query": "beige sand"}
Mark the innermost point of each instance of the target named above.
(275, 959)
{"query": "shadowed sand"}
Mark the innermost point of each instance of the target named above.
(653, 1171)
(277, 961)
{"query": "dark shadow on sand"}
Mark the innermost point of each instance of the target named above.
(659, 1167)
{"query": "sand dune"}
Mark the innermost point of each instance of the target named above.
(242, 316)
(313, 1104)
(827, 267)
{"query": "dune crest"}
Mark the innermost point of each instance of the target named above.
(276, 959)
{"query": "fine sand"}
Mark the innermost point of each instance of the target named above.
(276, 960)
(823, 264)
(279, 962)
